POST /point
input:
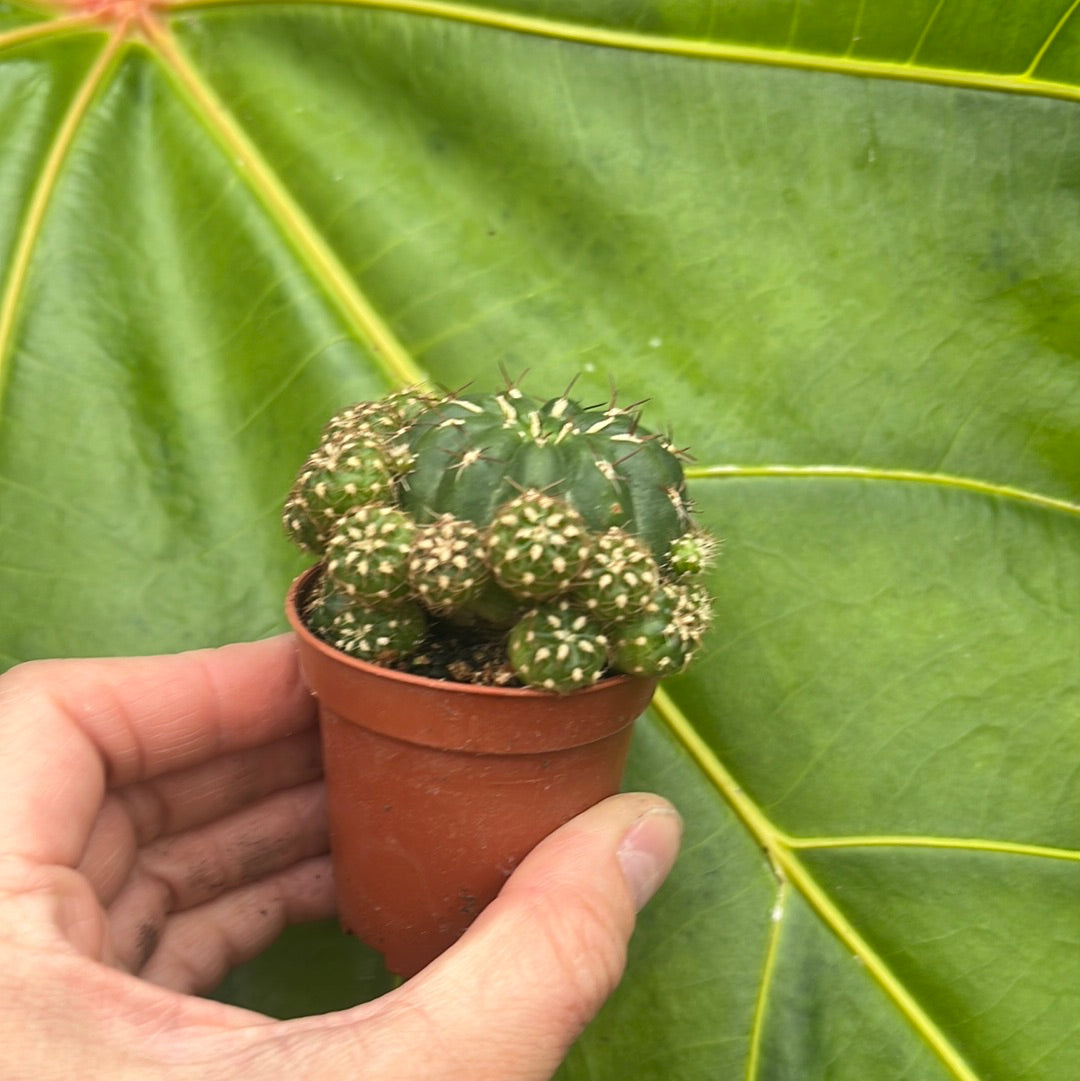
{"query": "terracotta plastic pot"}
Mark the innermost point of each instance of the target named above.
(437, 790)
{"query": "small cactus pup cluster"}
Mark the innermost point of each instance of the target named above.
(554, 536)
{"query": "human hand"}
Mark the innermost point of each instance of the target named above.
(162, 819)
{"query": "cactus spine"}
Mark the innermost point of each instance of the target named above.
(560, 530)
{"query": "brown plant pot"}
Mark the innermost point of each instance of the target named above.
(437, 790)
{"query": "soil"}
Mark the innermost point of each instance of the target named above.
(451, 654)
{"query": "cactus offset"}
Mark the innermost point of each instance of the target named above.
(558, 648)
(537, 545)
(337, 478)
(448, 563)
(376, 634)
(620, 579)
(562, 532)
(367, 553)
(661, 638)
(382, 635)
(692, 553)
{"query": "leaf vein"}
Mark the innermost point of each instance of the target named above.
(19, 267)
(1051, 38)
(46, 31)
(772, 952)
(692, 48)
(395, 361)
(927, 27)
(964, 844)
(876, 473)
(784, 856)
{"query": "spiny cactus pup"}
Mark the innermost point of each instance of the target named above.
(561, 533)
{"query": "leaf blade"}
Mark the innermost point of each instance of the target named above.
(854, 296)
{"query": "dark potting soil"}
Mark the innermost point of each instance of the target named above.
(449, 655)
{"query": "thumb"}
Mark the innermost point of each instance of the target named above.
(505, 1002)
(513, 994)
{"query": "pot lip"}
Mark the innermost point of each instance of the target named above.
(292, 610)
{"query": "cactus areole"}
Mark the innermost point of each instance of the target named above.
(501, 539)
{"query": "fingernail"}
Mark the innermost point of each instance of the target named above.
(648, 850)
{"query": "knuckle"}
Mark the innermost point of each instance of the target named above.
(30, 686)
(585, 953)
(22, 677)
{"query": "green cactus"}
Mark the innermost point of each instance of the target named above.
(382, 635)
(448, 564)
(474, 453)
(537, 545)
(620, 579)
(367, 553)
(336, 478)
(662, 637)
(692, 553)
(558, 648)
(561, 531)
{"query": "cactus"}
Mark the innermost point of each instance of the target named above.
(558, 647)
(382, 635)
(537, 545)
(661, 638)
(367, 554)
(556, 535)
(621, 577)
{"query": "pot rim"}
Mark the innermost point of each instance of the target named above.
(303, 582)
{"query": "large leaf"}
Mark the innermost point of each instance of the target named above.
(834, 243)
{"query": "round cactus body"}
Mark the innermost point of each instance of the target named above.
(380, 635)
(448, 563)
(367, 556)
(537, 545)
(324, 605)
(365, 420)
(692, 553)
(558, 648)
(492, 608)
(555, 535)
(384, 422)
(474, 453)
(332, 482)
(662, 639)
(620, 579)
(307, 530)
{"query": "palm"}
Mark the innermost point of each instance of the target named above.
(162, 819)
(153, 832)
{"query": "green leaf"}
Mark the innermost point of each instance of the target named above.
(834, 243)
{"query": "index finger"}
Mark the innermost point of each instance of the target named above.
(73, 728)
